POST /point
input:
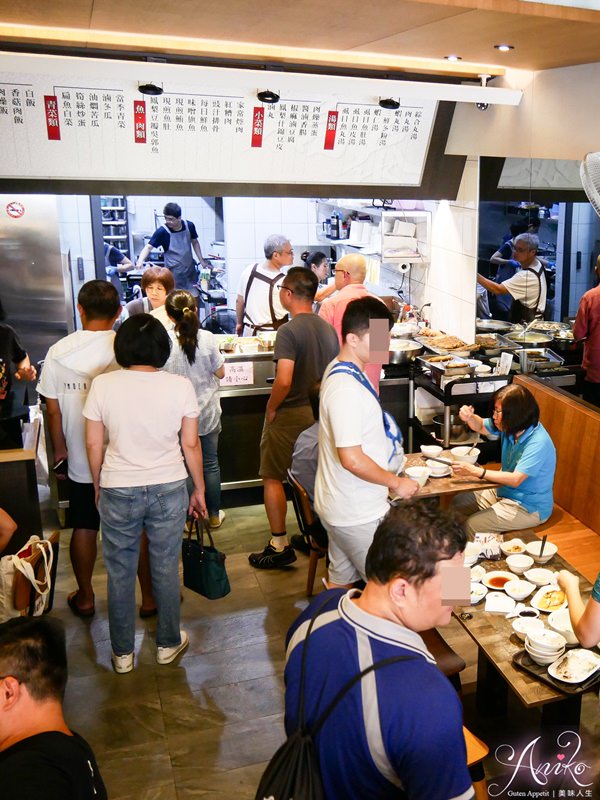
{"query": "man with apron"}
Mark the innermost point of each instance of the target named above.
(528, 287)
(177, 237)
(115, 262)
(258, 305)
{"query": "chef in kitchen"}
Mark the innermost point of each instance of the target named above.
(177, 237)
(528, 286)
(257, 305)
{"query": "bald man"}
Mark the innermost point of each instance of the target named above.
(350, 272)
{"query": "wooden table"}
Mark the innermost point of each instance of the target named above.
(497, 644)
(445, 488)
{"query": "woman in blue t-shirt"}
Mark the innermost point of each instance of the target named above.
(523, 498)
(585, 617)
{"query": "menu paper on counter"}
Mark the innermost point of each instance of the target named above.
(71, 118)
(240, 374)
(504, 364)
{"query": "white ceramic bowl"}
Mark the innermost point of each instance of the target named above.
(539, 576)
(460, 454)
(431, 450)
(550, 550)
(471, 553)
(511, 547)
(418, 474)
(546, 641)
(435, 468)
(483, 369)
(519, 590)
(560, 622)
(544, 661)
(521, 626)
(518, 563)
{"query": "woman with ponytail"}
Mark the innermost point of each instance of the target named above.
(195, 355)
(319, 264)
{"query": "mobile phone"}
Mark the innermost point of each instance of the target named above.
(61, 467)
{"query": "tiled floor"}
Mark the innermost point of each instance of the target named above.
(206, 725)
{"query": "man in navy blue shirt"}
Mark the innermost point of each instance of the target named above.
(177, 237)
(398, 732)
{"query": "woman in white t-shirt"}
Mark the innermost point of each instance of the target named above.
(196, 355)
(140, 480)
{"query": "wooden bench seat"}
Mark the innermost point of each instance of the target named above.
(574, 427)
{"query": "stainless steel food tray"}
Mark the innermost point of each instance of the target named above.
(502, 344)
(536, 366)
(443, 351)
(440, 369)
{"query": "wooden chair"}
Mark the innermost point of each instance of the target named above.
(449, 662)
(476, 752)
(310, 527)
(23, 592)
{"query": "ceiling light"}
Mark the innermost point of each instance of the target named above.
(267, 96)
(453, 58)
(150, 88)
(390, 103)
(504, 48)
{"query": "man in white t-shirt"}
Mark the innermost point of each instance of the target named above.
(528, 286)
(69, 368)
(258, 305)
(353, 480)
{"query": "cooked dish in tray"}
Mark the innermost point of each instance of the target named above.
(551, 600)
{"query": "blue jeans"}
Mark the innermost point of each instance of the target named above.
(160, 510)
(212, 472)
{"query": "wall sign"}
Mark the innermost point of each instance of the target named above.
(15, 209)
(72, 118)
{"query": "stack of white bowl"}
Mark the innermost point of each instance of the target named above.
(544, 647)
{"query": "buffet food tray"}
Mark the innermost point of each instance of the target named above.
(444, 369)
(501, 343)
(460, 352)
(539, 359)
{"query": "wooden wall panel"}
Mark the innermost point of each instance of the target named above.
(575, 431)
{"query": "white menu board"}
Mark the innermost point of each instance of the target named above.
(62, 126)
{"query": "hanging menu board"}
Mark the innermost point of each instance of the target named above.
(96, 126)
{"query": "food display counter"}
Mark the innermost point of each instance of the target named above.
(244, 394)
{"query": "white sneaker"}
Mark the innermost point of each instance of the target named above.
(122, 664)
(167, 654)
(216, 522)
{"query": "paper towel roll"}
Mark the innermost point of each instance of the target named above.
(403, 267)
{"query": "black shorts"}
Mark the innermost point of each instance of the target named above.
(82, 506)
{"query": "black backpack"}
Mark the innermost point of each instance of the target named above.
(294, 772)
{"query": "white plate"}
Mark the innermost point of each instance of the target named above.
(537, 597)
(443, 474)
(579, 665)
(478, 592)
(497, 573)
(477, 574)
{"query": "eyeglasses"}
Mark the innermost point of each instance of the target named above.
(287, 288)
(344, 271)
(288, 252)
(497, 412)
(521, 249)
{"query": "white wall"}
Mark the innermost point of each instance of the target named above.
(449, 281)
(558, 117)
(249, 220)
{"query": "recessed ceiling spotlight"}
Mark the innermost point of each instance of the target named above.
(389, 102)
(504, 48)
(267, 96)
(453, 58)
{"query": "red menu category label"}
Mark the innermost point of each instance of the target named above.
(258, 126)
(330, 131)
(139, 121)
(52, 121)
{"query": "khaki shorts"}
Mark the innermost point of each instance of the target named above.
(485, 512)
(278, 440)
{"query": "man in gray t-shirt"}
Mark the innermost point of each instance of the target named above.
(303, 348)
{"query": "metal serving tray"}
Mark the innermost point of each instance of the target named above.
(443, 351)
(440, 369)
(502, 344)
(529, 364)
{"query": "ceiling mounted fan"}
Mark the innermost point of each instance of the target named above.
(590, 179)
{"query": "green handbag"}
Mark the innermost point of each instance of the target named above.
(203, 565)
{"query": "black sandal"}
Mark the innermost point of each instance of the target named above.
(80, 612)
